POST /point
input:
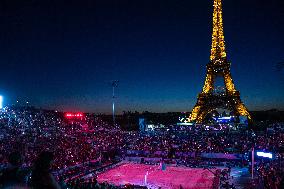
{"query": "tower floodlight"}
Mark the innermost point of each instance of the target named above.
(114, 84)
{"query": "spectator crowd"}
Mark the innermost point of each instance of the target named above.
(37, 141)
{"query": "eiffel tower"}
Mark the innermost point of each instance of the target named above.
(208, 100)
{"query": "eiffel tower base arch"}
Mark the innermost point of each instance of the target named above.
(208, 102)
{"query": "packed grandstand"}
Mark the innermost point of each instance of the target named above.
(80, 149)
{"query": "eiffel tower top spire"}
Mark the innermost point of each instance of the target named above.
(218, 50)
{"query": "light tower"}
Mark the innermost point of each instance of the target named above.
(114, 84)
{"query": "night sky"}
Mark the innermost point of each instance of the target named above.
(63, 54)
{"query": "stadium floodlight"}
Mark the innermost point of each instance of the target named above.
(114, 84)
(264, 154)
(1, 102)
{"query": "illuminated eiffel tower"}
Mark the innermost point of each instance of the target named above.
(208, 100)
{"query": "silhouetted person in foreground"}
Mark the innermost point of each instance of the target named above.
(13, 176)
(41, 176)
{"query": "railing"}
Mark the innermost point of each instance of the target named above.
(161, 154)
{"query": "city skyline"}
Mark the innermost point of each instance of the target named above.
(64, 57)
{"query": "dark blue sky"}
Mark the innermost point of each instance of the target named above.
(63, 54)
